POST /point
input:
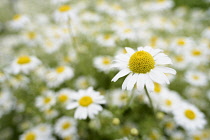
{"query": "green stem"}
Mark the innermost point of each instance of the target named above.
(130, 99)
(150, 100)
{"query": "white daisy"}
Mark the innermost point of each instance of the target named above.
(64, 95)
(189, 117)
(46, 100)
(24, 64)
(64, 13)
(83, 82)
(65, 126)
(103, 63)
(19, 21)
(87, 103)
(196, 78)
(50, 113)
(57, 76)
(106, 40)
(144, 68)
(119, 97)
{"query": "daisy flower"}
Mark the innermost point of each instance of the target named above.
(64, 95)
(196, 78)
(103, 63)
(18, 21)
(46, 100)
(64, 13)
(87, 103)
(24, 64)
(57, 76)
(189, 117)
(83, 82)
(119, 97)
(143, 67)
(65, 126)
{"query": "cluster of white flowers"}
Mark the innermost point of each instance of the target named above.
(77, 67)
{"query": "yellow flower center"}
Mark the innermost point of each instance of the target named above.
(16, 17)
(60, 69)
(197, 138)
(31, 35)
(68, 138)
(196, 53)
(85, 101)
(30, 136)
(123, 97)
(141, 62)
(127, 30)
(157, 87)
(64, 8)
(153, 41)
(168, 102)
(181, 42)
(62, 98)
(160, 1)
(190, 114)
(106, 61)
(24, 60)
(66, 125)
(107, 37)
(47, 100)
(195, 77)
(179, 58)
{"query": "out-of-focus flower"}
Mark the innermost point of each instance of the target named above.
(87, 103)
(64, 95)
(144, 68)
(103, 63)
(24, 64)
(19, 21)
(64, 13)
(84, 82)
(196, 78)
(65, 126)
(189, 117)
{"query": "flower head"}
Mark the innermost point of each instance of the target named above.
(143, 67)
(87, 103)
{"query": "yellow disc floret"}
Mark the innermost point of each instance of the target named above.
(64, 8)
(141, 62)
(190, 114)
(66, 125)
(85, 101)
(60, 69)
(62, 98)
(24, 60)
(30, 136)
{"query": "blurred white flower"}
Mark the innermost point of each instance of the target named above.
(196, 78)
(87, 103)
(103, 63)
(19, 21)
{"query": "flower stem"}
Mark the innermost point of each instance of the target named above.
(150, 100)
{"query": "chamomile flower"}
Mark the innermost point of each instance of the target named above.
(65, 126)
(87, 103)
(46, 100)
(24, 64)
(83, 82)
(31, 38)
(64, 95)
(196, 78)
(19, 21)
(103, 63)
(119, 97)
(189, 117)
(50, 113)
(106, 40)
(182, 44)
(58, 1)
(64, 13)
(143, 67)
(180, 61)
(57, 76)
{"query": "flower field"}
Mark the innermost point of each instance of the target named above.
(104, 70)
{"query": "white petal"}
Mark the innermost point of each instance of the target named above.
(140, 48)
(72, 105)
(149, 83)
(154, 75)
(162, 75)
(129, 50)
(124, 85)
(166, 70)
(155, 51)
(80, 113)
(163, 61)
(121, 74)
(141, 82)
(147, 49)
(132, 81)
